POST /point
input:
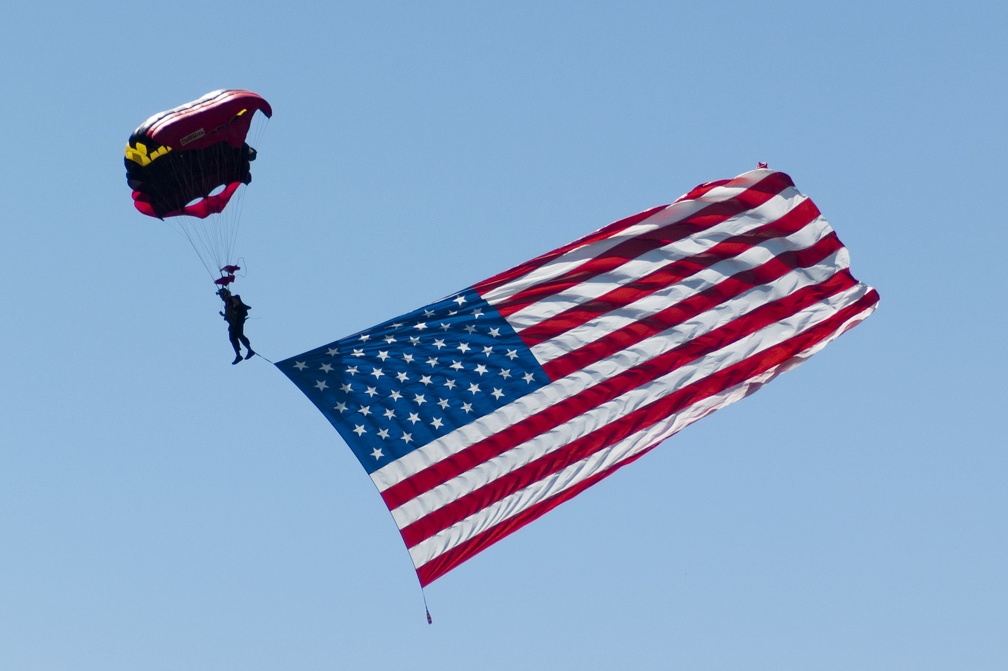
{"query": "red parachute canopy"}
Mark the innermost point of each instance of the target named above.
(187, 166)
(191, 159)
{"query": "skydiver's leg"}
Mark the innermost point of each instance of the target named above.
(233, 337)
(244, 341)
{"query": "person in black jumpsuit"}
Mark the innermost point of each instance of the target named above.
(235, 313)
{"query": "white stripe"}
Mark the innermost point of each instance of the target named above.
(613, 410)
(634, 269)
(572, 259)
(552, 485)
(684, 289)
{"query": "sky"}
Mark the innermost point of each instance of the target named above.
(163, 509)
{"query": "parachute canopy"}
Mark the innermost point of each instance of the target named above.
(190, 160)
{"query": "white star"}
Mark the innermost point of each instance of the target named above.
(505, 373)
(359, 429)
(300, 365)
(321, 385)
(408, 358)
(477, 313)
(497, 393)
(460, 300)
(377, 372)
(480, 368)
(390, 414)
(439, 343)
(326, 368)
(428, 313)
(402, 376)
(450, 384)
(365, 410)
(351, 370)
(432, 361)
(463, 347)
(414, 340)
(487, 350)
(436, 422)
(420, 326)
(389, 339)
(443, 402)
(512, 354)
(332, 351)
(419, 399)
(470, 329)
(396, 325)
(425, 380)
(377, 454)
(413, 418)
(528, 377)
(345, 388)
(383, 355)
(495, 332)
(365, 337)
(371, 391)
(407, 437)
(457, 365)
(341, 406)
(357, 353)
(445, 327)
(474, 388)
(395, 395)
(467, 407)
(383, 433)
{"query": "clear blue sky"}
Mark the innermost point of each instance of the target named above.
(161, 509)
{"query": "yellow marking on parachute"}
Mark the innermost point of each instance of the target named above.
(138, 153)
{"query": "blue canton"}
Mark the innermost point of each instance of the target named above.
(396, 387)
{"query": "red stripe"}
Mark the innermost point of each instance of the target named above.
(527, 267)
(496, 444)
(607, 261)
(674, 402)
(696, 304)
(703, 189)
(601, 234)
(669, 274)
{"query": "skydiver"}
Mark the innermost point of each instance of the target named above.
(235, 313)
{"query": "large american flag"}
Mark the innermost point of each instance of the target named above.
(482, 411)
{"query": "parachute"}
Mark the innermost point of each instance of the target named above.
(187, 165)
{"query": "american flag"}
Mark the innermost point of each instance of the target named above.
(482, 411)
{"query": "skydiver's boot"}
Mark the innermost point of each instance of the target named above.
(250, 354)
(237, 359)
